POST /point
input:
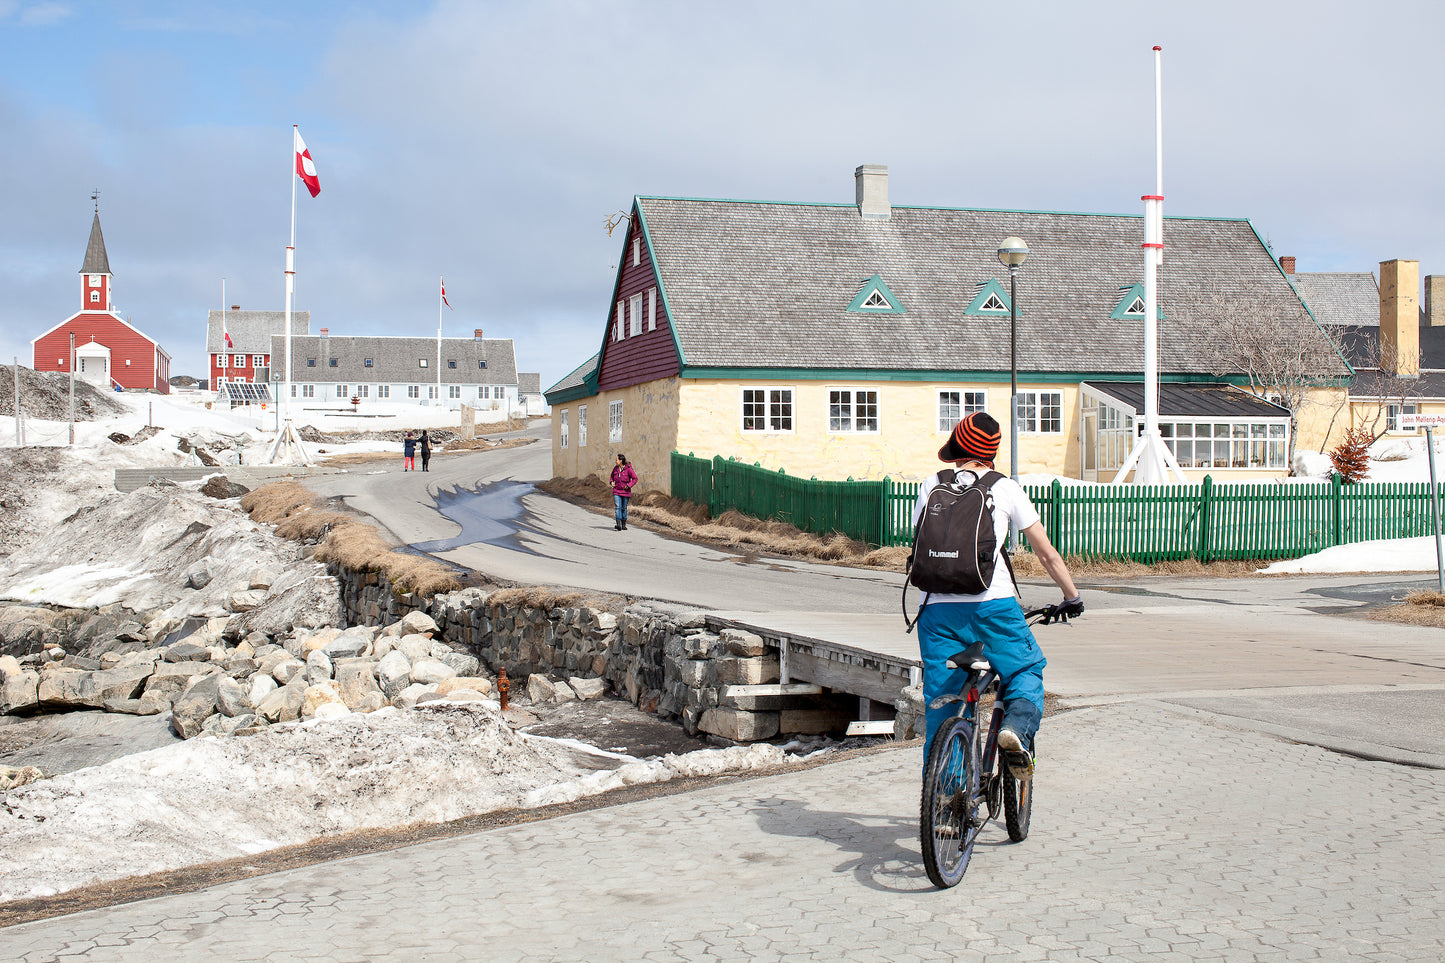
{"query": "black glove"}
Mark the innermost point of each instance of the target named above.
(1065, 610)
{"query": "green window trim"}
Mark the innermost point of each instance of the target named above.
(988, 291)
(874, 290)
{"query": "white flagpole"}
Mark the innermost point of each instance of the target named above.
(286, 434)
(441, 282)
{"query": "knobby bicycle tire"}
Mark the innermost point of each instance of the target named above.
(1018, 803)
(948, 818)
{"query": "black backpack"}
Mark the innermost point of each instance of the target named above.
(955, 550)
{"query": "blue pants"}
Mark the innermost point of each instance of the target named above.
(619, 508)
(945, 628)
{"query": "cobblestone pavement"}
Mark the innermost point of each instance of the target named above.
(1156, 836)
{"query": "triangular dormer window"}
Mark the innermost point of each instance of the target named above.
(990, 301)
(874, 297)
(1131, 305)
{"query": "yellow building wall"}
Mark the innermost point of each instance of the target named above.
(649, 434)
(904, 448)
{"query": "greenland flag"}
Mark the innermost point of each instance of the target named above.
(305, 168)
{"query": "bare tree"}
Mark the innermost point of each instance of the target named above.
(1285, 357)
(1376, 386)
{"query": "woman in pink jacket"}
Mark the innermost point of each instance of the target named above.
(623, 480)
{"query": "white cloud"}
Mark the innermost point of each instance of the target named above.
(44, 14)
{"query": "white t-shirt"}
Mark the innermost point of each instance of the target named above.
(1010, 501)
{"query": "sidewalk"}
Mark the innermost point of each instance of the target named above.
(1155, 836)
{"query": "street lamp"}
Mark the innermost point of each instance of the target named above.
(1012, 252)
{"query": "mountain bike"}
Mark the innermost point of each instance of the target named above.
(966, 781)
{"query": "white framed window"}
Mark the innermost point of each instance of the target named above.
(768, 409)
(618, 331)
(484, 392)
(222, 360)
(239, 361)
(383, 391)
(308, 391)
(1393, 413)
(421, 362)
(367, 363)
(362, 390)
(636, 251)
(582, 426)
(454, 391)
(954, 405)
(95, 297)
(1041, 412)
(1219, 444)
(636, 315)
(413, 391)
(652, 309)
(341, 392)
(562, 430)
(293, 391)
(614, 421)
(852, 410)
(258, 361)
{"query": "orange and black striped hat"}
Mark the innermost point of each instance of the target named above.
(975, 437)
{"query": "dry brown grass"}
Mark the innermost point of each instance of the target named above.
(1081, 566)
(345, 540)
(536, 597)
(1419, 608)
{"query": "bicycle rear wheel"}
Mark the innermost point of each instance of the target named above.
(948, 816)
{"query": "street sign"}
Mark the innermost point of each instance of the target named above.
(1421, 420)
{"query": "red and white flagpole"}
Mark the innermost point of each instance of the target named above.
(441, 298)
(300, 166)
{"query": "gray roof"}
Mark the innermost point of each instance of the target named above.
(395, 360)
(1361, 345)
(1346, 297)
(767, 285)
(251, 331)
(529, 382)
(1192, 400)
(577, 376)
(95, 260)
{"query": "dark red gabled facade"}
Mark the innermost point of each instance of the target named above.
(645, 350)
(132, 360)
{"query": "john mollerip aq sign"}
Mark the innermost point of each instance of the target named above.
(1430, 422)
(1411, 421)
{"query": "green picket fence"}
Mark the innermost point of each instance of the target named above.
(1148, 524)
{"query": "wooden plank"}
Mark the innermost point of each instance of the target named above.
(771, 689)
(842, 677)
(876, 727)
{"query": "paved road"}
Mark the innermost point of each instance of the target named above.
(1156, 836)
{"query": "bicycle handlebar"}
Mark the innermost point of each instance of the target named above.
(1051, 613)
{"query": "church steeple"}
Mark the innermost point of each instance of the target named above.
(95, 271)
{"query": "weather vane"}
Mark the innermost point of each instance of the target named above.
(95, 196)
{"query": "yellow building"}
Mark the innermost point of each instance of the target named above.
(845, 340)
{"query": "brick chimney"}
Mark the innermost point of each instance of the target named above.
(325, 332)
(1400, 318)
(235, 307)
(1287, 263)
(477, 333)
(1435, 300)
(870, 183)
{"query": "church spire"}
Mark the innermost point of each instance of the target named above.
(95, 260)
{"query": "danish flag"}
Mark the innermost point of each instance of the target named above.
(444, 294)
(305, 167)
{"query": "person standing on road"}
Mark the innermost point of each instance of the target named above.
(623, 481)
(408, 453)
(948, 624)
(425, 444)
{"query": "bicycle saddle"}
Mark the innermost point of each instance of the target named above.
(970, 658)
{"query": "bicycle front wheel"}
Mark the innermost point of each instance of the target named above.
(948, 812)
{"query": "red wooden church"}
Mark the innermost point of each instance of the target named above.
(108, 351)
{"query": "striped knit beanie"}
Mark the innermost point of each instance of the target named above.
(975, 438)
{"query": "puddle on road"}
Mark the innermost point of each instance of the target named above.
(491, 515)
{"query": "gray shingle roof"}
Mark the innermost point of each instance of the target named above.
(1341, 298)
(1361, 345)
(529, 382)
(395, 360)
(251, 331)
(753, 284)
(95, 261)
(577, 376)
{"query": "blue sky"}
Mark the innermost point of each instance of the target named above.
(488, 141)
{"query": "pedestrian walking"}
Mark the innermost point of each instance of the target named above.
(424, 443)
(624, 479)
(408, 453)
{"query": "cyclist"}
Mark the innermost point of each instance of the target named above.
(947, 624)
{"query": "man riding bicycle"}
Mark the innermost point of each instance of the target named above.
(949, 623)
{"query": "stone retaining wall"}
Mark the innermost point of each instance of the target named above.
(661, 658)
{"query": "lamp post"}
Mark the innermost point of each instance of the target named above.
(1012, 252)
